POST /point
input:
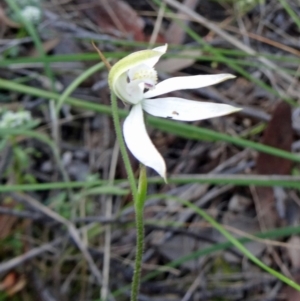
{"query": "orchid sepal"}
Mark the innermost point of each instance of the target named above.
(130, 77)
(147, 57)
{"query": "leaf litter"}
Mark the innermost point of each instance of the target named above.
(41, 256)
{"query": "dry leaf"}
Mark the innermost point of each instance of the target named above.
(294, 253)
(246, 224)
(279, 134)
(176, 33)
(8, 281)
(12, 284)
(239, 203)
(182, 245)
(176, 64)
(7, 21)
(47, 46)
(7, 221)
(18, 286)
(115, 17)
(290, 293)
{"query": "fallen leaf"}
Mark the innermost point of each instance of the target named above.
(172, 65)
(47, 46)
(18, 286)
(181, 245)
(279, 134)
(246, 224)
(7, 221)
(289, 293)
(176, 32)
(8, 281)
(239, 203)
(115, 17)
(7, 21)
(12, 284)
(293, 253)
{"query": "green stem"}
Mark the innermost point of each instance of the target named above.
(291, 12)
(77, 81)
(139, 219)
(238, 180)
(36, 39)
(126, 160)
(139, 196)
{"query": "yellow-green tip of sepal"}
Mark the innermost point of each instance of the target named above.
(148, 57)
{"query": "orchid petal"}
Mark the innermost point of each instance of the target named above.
(184, 109)
(139, 143)
(129, 92)
(147, 57)
(186, 82)
(143, 73)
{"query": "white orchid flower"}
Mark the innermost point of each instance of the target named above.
(132, 75)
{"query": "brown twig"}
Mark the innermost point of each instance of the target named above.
(103, 58)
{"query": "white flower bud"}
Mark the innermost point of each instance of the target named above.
(11, 119)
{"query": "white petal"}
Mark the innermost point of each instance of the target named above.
(129, 92)
(184, 109)
(142, 72)
(139, 143)
(186, 82)
(147, 57)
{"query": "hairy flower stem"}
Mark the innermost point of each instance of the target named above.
(139, 196)
(139, 220)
